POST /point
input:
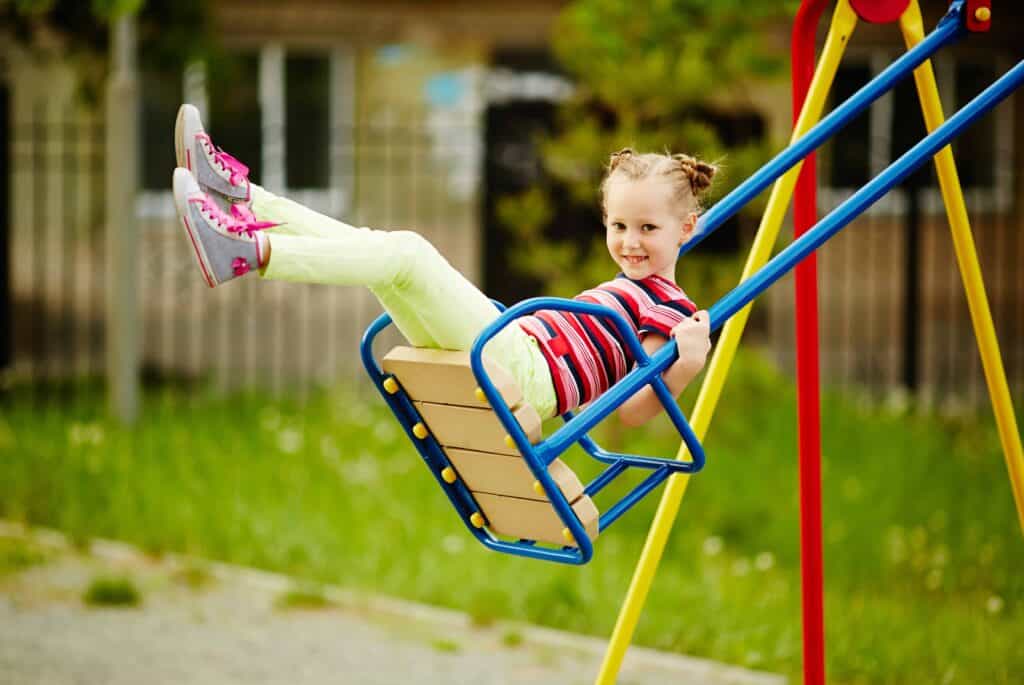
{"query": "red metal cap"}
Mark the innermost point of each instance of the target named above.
(880, 11)
(978, 14)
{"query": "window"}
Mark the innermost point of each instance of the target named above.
(234, 119)
(849, 163)
(307, 104)
(275, 110)
(975, 148)
(161, 93)
(894, 123)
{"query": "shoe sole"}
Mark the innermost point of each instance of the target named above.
(182, 153)
(197, 245)
(179, 139)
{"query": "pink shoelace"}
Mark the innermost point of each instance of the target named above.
(241, 219)
(245, 221)
(239, 172)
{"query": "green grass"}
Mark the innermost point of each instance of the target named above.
(922, 548)
(445, 645)
(112, 591)
(17, 555)
(195, 576)
(304, 596)
(512, 638)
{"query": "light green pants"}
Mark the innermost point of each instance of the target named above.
(430, 302)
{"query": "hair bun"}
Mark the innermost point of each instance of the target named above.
(618, 157)
(703, 173)
(699, 173)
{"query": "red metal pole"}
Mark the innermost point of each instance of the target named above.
(808, 405)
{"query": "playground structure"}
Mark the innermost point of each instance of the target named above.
(561, 497)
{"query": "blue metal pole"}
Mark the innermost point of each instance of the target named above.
(842, 215)
(949, 29)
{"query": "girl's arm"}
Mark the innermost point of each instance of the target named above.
(692, 337)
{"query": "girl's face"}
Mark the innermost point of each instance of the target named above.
(644, 228)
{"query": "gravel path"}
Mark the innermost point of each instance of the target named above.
(230, 630)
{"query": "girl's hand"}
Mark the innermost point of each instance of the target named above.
(693, 338)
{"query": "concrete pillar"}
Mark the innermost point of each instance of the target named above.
(122, 178)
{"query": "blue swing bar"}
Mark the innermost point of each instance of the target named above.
(649, 368)
(949, 29)
(842, 215)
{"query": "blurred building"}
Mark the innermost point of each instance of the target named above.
(401, 114)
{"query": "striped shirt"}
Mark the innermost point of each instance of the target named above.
(585, 353)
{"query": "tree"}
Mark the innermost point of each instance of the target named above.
(171, 32)
(649, 75)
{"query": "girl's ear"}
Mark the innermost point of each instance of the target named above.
(689, 227)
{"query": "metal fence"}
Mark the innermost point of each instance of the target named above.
(55, 246)
(413, 174)
(878, 337)
(250, 332)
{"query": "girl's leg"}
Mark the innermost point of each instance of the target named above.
(303, 261)
(431, 303)
(292, 217)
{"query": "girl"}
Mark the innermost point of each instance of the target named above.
(560, 360)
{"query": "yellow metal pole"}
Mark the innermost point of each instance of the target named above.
(844, 20)
(970, 270)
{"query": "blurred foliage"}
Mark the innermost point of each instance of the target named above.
(170, 33)
(113, 591)
(647, 79)
(304, 595)
(17, 554)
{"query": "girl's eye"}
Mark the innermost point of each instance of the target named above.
(619, 226)
(649, 227)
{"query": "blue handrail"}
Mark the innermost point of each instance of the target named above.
(647, 372)
(842, 215)
(949, 29)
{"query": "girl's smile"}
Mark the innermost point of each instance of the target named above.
(644, 227)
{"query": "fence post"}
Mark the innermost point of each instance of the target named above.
(122, 173)
(6, 214)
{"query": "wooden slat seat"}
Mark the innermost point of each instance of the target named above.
(477, 429)
(445, 377)
(503, 474)
(444, 391)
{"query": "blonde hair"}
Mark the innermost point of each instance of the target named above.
(689, 177)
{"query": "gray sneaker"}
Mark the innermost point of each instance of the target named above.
(219, 174)
(224, 244)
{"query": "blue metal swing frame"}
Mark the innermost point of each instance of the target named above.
(649, 368)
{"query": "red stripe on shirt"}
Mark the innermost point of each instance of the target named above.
(578, 338)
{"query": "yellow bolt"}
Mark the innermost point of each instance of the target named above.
(420, 431)
(391, 385)
(477, 519)
(567, 534)
(510, 442)
(983, 14)
(479, 392)
(539, 489)
(448, 474)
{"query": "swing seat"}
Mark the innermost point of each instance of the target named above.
(483, 444)
(510, 500)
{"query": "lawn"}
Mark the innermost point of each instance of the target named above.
(922, 547)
